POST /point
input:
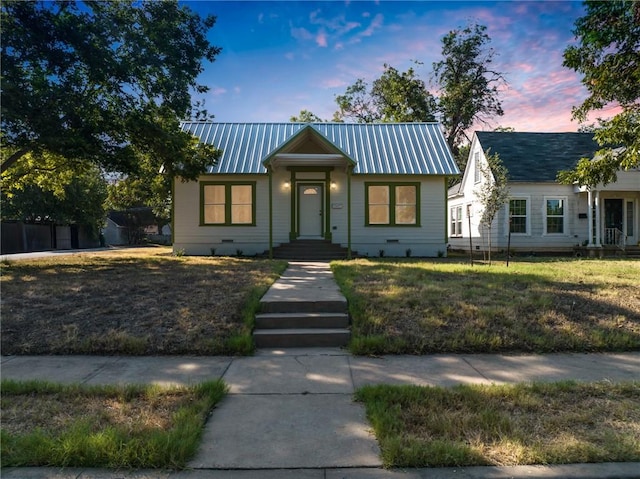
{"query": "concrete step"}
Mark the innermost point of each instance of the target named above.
(301, 337)
(304, 306)
(301, 320)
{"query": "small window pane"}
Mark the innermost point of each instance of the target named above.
(630, 218)
(406, 215)
(213, 194)
(406, 195)
(214, 214)
(518, 207)
(519, 224)
(378, 214)
(241, 194)
(241, 214)
(555, 224)
(378, 195)
(555, 207)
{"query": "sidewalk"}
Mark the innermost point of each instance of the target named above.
(290, 414)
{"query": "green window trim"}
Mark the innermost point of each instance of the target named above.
(393, 205)
(228, 205)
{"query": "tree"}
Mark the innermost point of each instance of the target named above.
(54, 190)
(493, 191)
(103, 82)
(468, 85)
(607, 54)
(305, 116)
(394, 97)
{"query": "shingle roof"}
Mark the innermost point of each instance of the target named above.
(537, 157)
(376, 148)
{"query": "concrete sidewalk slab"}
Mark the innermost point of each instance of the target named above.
(438, 370)
(502, 369)
(289, 375)
(287, 431)
(166, 370)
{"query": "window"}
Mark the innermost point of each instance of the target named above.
(629, 218)
(555, 215)
(227, 204)
(477, 174)
(456, 221)
(518, 215)
(392, 204)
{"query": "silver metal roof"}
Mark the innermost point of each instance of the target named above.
(375, 148)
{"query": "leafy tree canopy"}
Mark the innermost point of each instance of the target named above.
(468, 84)
(394, 97)
(53, 189)
(305, 116)
(607, 54)
(103, 82)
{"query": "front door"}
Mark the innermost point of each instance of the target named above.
(310, 210)
(613, 222)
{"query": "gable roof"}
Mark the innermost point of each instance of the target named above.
(537, 157)
(374, 148)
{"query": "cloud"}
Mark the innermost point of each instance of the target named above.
(321, 39)
(333, 83)
(290, 56)
(375, 24)
(301, 33)
(218, 91)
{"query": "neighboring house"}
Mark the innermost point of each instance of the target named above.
(542, 214)
(370, 188)
(132, 226)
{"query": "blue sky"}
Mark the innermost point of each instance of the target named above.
(282, 57)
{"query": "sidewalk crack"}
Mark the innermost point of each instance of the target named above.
(474, 368)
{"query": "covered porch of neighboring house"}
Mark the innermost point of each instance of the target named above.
(613, 217)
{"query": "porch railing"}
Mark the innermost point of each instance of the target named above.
(614, 237)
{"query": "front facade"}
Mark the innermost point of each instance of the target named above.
(371, 188)
(542, 214)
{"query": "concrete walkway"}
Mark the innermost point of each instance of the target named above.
(290, 413)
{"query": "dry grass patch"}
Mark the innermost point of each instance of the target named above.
(554, 423)
(418, 307)
(104, 426)
(133, 301)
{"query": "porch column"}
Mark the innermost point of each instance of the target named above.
(270, 170)
(598, 228)
(590, 217)
(349, 212)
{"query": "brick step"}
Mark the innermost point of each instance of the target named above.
(301, 337)
(301, 320)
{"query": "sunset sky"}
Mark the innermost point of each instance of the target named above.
(282, 57)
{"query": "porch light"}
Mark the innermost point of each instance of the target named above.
(334, 185)
(287, 184)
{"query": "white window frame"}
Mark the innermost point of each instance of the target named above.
(565, 215)
(528, 213)
(456, 221)
(477, 174)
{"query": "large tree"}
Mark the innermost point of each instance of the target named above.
(607, 54)
(103, 82)
(468, 85)
(50, 189)
(394, 97)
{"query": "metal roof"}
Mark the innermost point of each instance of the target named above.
(375, 148)
(538, 157)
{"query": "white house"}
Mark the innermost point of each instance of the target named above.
(371, 188)
(542, 214)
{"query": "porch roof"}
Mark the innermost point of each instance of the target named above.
(372, 148)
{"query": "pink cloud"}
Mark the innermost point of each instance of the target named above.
(321, 39)
(301, 33)
(375, 24)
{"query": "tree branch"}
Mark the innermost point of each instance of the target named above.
(9, 162)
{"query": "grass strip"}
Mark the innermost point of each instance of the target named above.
(505, 425)
(131, 426)
(412, 306)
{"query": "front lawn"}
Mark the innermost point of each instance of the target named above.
(132, 301)
(473, 425)
(104, 426)
(440, 306)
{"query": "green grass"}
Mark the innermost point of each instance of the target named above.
(45, 424)
(555, 423)
(440, 306)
